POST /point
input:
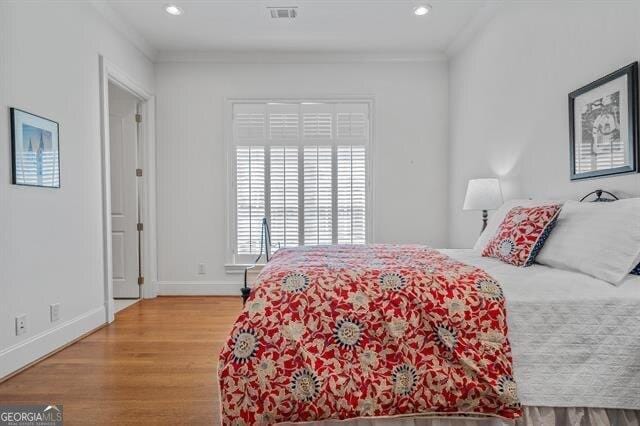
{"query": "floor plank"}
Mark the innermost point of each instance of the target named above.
(156, 364)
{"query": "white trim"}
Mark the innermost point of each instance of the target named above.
(29, 350)
(239, 268)
(149, 217)
(111, 73)
(371, 236)
(198, 288)
(474, 26)
(229, 179)
(125, 29)
(281, 57)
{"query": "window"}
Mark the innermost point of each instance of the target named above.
(304, 166)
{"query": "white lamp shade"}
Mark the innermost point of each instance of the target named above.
(483, 194)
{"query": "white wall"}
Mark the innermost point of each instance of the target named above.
(508, 99)
(410, 152)
(51, 239)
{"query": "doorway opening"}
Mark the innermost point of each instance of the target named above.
(126, 202)
(127, 110)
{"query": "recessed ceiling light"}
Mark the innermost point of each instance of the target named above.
(174, 10)
(422, 10)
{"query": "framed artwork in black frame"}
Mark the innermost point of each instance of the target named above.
(603, 125)
(35, 150)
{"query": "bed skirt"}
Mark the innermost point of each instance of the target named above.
(532, 416)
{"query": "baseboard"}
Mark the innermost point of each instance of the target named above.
(198, 288)
(34, 348)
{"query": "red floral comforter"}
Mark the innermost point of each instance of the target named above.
(367, 331)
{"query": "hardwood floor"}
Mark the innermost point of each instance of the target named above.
(156, 364)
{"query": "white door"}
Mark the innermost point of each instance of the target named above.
(123, 134)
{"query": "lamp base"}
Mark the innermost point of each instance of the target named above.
(485, 216)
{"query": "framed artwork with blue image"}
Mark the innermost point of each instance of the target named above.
(35, 150)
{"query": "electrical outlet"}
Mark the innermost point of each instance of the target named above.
(21, 324)
(54, 312)
(202, 269)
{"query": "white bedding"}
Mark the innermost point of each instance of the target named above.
(575, 339)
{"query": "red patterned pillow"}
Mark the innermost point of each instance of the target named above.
(522, 234)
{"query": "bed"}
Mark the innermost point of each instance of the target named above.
(575, 340)
(570, 342)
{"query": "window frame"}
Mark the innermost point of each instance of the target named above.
(235, 263)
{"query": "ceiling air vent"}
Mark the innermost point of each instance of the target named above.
(283, 12)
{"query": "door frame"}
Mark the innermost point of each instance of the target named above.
(109, 73)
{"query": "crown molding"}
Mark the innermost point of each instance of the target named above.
(487, 12)
(292, 57)
(475, 25)
(124, 28)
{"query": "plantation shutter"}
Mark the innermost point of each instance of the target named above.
(303, 165)
(351, 191)
(318, 195)
(284, 195)
(283, 122)
(353, 123)
(353, 137)
(249, 123)
(249, 132)
(250, 197)
(317, 121)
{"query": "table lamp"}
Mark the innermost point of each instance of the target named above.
(483, 194)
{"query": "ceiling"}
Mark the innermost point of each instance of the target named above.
(322, 26)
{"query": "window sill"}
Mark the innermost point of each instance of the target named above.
(239, 268)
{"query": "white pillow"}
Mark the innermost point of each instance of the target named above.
(496, 218)
(597, 239)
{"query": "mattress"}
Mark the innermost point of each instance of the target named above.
(575, 339)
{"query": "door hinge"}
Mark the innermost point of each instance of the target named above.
(138, 172)
(140, 280)
(138, 118)
(139, 227)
